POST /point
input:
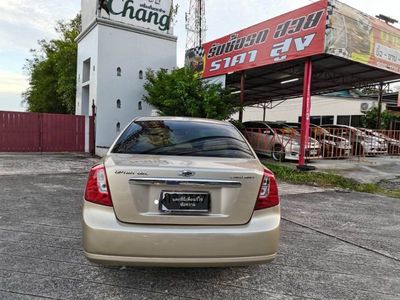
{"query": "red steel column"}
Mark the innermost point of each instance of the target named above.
(305, 117)
(242, 82)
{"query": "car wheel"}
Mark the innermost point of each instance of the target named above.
(278, 154)
(359, 149)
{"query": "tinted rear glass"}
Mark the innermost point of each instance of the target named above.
(278, 125)
(182, 138)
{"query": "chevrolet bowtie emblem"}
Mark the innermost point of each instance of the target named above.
(187, 173)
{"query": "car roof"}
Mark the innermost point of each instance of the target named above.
(293, 124)
(255, 122)
(332, 125)
(182, 119)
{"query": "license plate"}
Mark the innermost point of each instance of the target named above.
(184, 202)
(313, 152)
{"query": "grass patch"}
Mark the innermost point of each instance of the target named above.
(328, 180)
(394, 193)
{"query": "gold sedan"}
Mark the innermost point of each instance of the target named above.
(183, 193)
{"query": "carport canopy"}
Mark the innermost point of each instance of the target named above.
(324, 47)
(286, 80)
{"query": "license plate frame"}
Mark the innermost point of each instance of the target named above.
(172, 202)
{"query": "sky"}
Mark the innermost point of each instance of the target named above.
(24, 22)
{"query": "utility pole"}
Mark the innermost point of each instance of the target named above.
(196, 24)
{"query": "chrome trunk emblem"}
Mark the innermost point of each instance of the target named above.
(187, 173)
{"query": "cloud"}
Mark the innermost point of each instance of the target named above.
(12, 82)
(227, 16)
(23, 22)
(11, 102)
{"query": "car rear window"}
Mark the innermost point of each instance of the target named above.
(182, 138)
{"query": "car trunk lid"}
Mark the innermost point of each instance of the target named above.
(139, 182)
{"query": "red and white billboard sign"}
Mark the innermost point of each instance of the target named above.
(298, 34)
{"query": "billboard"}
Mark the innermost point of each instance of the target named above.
(300, 33)
(362, 38)
(151, 14)
(194, 58)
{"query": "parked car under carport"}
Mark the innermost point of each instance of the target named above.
(392, 143)
(332, 146)
(278, 140)
(362, 143)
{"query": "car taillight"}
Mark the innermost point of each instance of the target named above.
(268, 195)
(97, 190)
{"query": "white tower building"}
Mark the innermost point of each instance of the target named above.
(120, 40)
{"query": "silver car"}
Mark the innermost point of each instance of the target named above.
(332, 146)
(181, 192)
(278, 140)
(363, 142)
(393, 144)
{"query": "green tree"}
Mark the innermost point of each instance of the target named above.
(371, 117)
(52, 71)
(181, 92)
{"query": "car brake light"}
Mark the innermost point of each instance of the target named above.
(97, 190)
(268, 195)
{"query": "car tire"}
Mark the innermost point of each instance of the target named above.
(359, 150)
(278, 154)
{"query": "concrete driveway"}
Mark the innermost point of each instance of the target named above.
(363, 169)
(334, 245)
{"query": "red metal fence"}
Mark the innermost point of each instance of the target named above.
(328, 143)
(34, 132)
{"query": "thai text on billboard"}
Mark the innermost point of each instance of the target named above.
(298, 34)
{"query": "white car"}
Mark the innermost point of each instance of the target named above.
(392, 143)
(363, 142)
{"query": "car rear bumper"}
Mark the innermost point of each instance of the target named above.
(310, 153)
(375, 151)
(177, 262)
(110, 242)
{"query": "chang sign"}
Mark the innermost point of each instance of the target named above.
(151, 14)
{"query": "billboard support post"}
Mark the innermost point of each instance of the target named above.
(305, 117)
(264, 111)
(242, 82)
(380, 98)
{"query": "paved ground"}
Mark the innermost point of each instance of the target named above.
(334, 245)
(363, 169)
